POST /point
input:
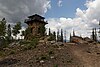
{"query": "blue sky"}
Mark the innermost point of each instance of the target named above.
(68, 8)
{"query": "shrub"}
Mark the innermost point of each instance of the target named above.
(30, 44)
(34, 42)
(55, 65)
(2, 53)
(12, 52)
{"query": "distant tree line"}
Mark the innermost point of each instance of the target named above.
(58, 36)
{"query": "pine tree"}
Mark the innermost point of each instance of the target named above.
(58, 36)
(3, 27)
(42, 30)
(61, 35)
(73, 33)
(49, 32)
(70, 37)
(16, 29)
(54, 35)
(22, 33)
(93, 35)
(9, 32)
(65, 36)
(28, 34)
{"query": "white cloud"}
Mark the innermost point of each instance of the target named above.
(60, 3)
(82, 23)
(16, 10)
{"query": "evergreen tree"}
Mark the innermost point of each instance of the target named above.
(93, 35)
(54, 35)
(42, 30)
(49, 32)
(65, 36)
(16, 29)
(70, 37)
(9, 32)
(73, 33)
(61, 35)
(27, 33)
(22, 33)
(58, 36)
(3, 27)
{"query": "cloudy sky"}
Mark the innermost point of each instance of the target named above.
(80, 15)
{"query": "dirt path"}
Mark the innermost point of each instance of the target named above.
(86, 59)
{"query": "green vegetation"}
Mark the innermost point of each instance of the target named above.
(3, 27)
(56, 65)
(12, 52)
(52, 36)
(16, 29)
(22, 33)
(61, 35)
(30, 44)
(2, 53)
(9, 37)
(42, 30)
(49, 32)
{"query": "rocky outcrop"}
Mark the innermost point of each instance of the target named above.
(88, 40)
(80, 40)
(76, 39)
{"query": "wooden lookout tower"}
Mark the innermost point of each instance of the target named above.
(36, 23)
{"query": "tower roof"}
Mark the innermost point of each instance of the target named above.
(35, 18)
(36, 15)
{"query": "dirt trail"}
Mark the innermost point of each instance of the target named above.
(86, 59)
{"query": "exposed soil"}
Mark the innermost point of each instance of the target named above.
(54, 55)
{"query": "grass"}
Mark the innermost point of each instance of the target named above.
(56, 65)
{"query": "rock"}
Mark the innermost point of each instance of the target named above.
(42, 61)
(80, 40)
(52, 42)
(76, 39)
(88, 40)
(52, 57)
(41, 41)
(59, 43)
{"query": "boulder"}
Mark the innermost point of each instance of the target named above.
(76, 39)
(88, 40)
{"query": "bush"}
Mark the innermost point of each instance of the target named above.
(2, 53)
(12, 52)
(55, 65)
(52, 37)
(30, 44)
(34, 42)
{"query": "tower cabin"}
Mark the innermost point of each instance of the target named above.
(35, 23)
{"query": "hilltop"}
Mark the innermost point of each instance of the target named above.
(52, 54)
